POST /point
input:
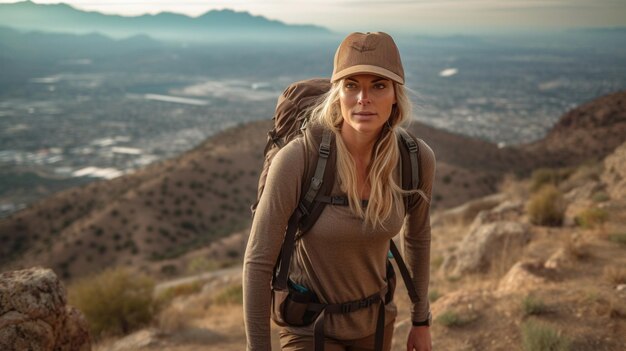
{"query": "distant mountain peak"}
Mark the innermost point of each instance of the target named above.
(217, 25)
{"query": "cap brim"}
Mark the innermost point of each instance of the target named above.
(379, 71)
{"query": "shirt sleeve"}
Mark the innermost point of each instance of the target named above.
(277, 203)
(416, 243)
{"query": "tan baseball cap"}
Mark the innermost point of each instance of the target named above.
(375, 53)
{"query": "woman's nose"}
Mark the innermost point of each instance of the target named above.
(363, 97)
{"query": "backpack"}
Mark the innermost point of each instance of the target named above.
(294, 305)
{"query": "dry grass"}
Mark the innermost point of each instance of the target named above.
(546, 206)
(577, 250)
(514, 187)
(592, 217)
(449, 319)
(538, 336)
(533, 306)
(548, 176)
(115, 301)
(614, 275)
(166, 297)
(619, 238)
(230, 295)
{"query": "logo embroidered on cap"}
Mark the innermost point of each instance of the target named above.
(368, 44)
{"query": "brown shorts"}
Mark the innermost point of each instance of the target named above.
(294, 342)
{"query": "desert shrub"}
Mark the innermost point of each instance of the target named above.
(546, 207)
(541, 337)
(232, 253)
(619, 238)
(201, 264)
(592, 217)
(115, 301)
(230, 295)
(576, 250)
(169, 294)
(600, 196)
(452, 319)
(614, 275)
(547, 176)
(169, 269)
(433, 295)
(533, 306)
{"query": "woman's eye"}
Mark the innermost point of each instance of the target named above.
(380, 86)
(350, 85)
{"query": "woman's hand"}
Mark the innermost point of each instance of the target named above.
(419, 339)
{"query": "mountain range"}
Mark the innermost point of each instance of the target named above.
(149, 218)
(215, 26)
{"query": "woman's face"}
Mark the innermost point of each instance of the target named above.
(366, 101)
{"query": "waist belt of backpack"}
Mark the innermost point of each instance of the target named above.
(348, 307)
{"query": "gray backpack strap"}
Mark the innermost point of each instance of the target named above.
(318, 177)
(411, 145)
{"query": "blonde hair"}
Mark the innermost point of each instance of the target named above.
(385, 193)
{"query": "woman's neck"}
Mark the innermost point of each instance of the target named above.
(359, 145)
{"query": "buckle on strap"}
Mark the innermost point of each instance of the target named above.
(411, 145)
(357, 305)
(339, 200)
(324, 150)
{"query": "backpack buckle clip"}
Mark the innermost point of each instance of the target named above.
(324, 151)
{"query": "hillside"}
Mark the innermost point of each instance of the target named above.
(149, 219)
(589, 131)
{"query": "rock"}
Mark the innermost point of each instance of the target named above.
(583, 192)
(467, 212)
(485, 244)
(614, 175)
(34, 314)
(468, 301)
(510, 210)
(557, 260)
(524, 276)
(621, 287)
(146, 338)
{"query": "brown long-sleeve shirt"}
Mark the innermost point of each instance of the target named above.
(339, 258)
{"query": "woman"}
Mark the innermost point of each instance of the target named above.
(343, 256)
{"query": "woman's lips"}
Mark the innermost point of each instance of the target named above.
(364, 113)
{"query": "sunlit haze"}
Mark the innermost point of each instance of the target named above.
(408, 16)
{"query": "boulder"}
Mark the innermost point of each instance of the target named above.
(510, 210)
(34, 314)
(485, 244)
(525, 276)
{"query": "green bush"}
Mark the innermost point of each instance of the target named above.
(433, 295)
(592, 217)
(452, 319)
(600, 196)
(546, 207)
(115, 301)
(619, 238)
(533, 306)
(230, 295)
(540, 337)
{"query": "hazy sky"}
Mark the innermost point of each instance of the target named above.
(398, 15)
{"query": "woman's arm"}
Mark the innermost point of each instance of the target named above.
(278, 201)
(417, 249)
